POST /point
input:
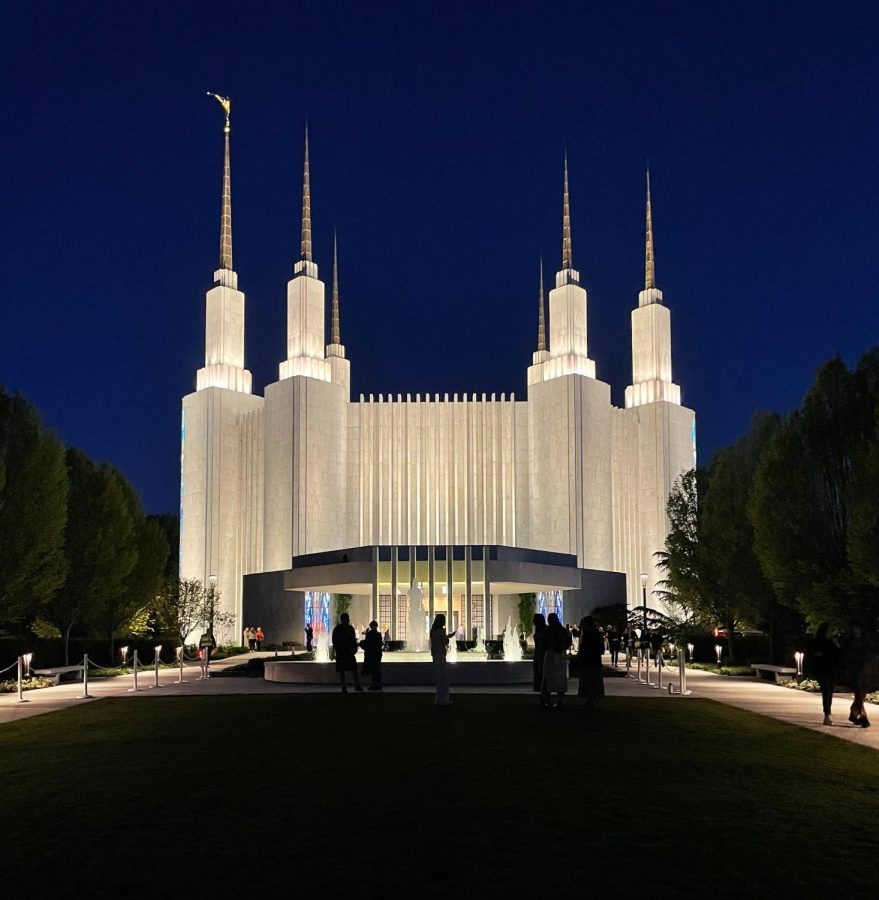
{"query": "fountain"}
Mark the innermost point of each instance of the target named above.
(322, 647)
(512, 650)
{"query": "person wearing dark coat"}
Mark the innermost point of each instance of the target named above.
(825, 661)
(857, 652)
(372, 645)
(613, 645)
(589, 656)
(539, 623)
(345, 647)
(309, 638)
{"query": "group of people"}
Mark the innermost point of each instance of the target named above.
(552, 643)
(852, 662)
(253, 638)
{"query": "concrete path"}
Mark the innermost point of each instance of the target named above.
(761, 697)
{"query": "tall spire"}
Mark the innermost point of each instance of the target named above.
(567, 259)
(226, 206)
(649, 265)
(335, 339)
(306, 206)
(541, 319)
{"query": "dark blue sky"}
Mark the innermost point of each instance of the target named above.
(437, 134)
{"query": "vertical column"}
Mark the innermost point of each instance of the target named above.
(431, 585)
(450, 586)
(375, 585)
(468, 591)
(487, 611)
(394, 635)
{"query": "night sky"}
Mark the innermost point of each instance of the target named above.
(437, 137)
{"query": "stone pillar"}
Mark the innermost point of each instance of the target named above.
(468, 592)
(394, 634)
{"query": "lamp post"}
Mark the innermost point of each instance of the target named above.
(718, 649)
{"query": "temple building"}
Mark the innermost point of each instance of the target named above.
(292, 499)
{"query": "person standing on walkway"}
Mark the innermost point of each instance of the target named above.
(309, 638)
(206, 645)
(555, 662)
(589, 656)
(372, 644)
(539, 623)
(857, 654)
(345, 647)
(613, 645)
(439, 647)
(251, 638)
(825, 660)
(260, 637)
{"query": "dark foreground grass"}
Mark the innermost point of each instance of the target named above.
(386, 795)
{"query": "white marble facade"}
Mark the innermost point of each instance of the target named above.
(308, 469)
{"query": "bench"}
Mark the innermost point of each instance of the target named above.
(57, 672)
(765, 670)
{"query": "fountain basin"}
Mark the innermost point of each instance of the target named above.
(406, 672)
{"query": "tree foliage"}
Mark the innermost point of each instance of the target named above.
(98, 545)
(33, 511)
(810, 506)
(526, 609)
(712, 571)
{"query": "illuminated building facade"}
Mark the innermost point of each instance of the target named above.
(307, 493)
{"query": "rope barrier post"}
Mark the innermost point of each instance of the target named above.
(158, 652)
(628, 660)
(659, 666)
(639, 664)
(180, 660)
(85, 677)
(134, 688)
(682, 671)
(647, 668)
(21, 680)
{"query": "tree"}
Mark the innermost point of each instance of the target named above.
(696, 563)
(343, 604)
(863, 535)
(33, 511)
(114, 614)
(181, 607)
(527, 608)
(98, 545)
(805, 495)
(170, 527)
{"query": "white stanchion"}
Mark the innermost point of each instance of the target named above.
(682, 670)
(85, 677)
(647, 668)
(180, 660)
(158, 652)
(134, 687)
(21, 680)
(638, 676)
(659, 666)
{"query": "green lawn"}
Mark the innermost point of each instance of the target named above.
(385, 794)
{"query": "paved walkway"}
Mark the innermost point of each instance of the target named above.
(761, 697)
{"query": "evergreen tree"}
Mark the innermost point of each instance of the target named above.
(33, 511)
(805, 495)
(112, 613)
(99, 546)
